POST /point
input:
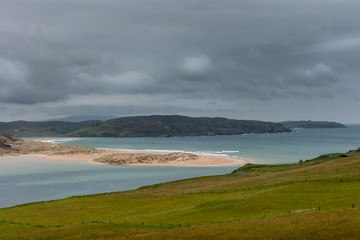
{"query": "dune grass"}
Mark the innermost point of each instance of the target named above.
(317, 199)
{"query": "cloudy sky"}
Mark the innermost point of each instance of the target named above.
(244, 59)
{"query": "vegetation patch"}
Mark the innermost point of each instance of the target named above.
(15, 146)
(145, 158)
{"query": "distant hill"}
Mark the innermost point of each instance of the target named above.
(43, 129)
(81, 118)
(312, 124)
(154, 126)
(174, 125)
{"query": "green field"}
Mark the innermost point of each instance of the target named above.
(317, 199)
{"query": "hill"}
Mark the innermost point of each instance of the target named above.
(315, 199)
(312, 124)
(154, 126)
(173, 125)
(41, 129)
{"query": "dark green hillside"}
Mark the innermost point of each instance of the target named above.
(38, 129)
(155, 126)
(312, 124)
(173, 125)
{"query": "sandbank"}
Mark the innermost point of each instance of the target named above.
(45, 149)
(201, 160)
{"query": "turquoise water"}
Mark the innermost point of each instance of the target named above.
(256, 148)
(29, 179)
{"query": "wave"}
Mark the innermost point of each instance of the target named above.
(60, 140)
(219, 154)
(222, 153)
(207, 153)
(162, 151)
(182, 151)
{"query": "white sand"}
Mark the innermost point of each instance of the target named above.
(202, 160)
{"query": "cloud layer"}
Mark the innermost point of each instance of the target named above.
(270, 60)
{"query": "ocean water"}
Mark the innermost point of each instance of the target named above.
(29, 179)
(269, 148)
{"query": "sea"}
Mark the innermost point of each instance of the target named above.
(32, 179)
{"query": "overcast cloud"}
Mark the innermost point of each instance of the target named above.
(267, 59)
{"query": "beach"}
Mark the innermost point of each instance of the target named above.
(55, 151)
(201, 160)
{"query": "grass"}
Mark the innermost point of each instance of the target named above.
(316, 199)
(260, 169)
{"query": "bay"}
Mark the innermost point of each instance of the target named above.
(271, 148)
(29, 179)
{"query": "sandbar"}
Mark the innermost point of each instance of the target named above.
(53, 151)
(202, 160)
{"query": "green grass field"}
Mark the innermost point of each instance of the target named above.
(317, 199)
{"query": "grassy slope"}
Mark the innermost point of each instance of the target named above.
(216, 207)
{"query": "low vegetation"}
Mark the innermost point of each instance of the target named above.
(10, 145)
(145, 158)
(315, 199)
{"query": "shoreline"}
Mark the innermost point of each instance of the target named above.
(200, 161)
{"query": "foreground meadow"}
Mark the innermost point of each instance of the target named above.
(317, 199)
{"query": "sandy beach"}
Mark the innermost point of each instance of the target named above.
(202, 160)
(55, 151)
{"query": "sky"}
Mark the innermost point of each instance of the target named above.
(270, 60)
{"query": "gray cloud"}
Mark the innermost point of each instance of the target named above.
(183, 55)
(127, 82)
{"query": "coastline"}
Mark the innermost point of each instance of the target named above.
(200, 161)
